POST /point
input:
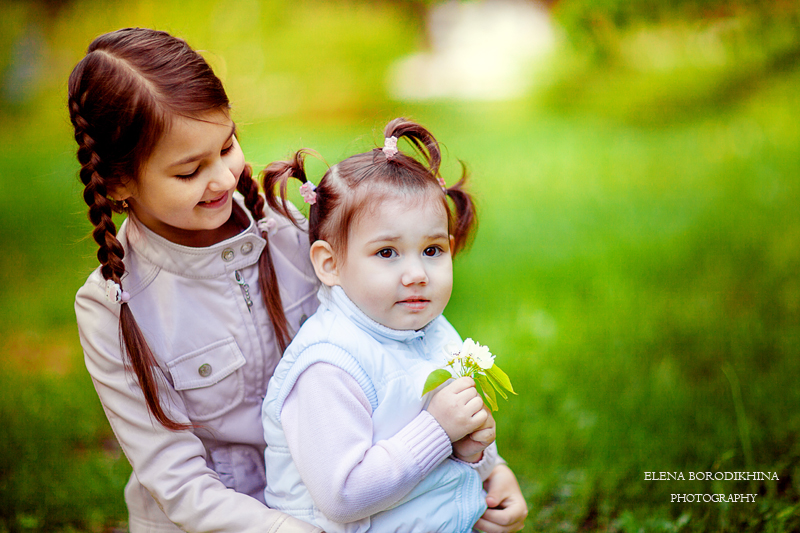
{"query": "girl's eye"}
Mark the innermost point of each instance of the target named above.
(188, 176)
(386, 253)
(227, 149)
(432, 251)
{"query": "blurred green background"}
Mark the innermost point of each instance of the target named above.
(635, 270)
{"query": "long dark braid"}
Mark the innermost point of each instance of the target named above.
(110, 254)
(267, 278)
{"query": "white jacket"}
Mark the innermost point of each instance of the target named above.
(391, 367)
(215, 354)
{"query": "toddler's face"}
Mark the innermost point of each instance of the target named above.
(397, 268)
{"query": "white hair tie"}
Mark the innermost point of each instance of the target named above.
(115, 294)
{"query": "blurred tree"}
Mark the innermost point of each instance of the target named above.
(24, 48)
(596, 24)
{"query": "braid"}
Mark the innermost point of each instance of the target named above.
(248, 188)
(267, 278)
(110, 254)
(121, 97)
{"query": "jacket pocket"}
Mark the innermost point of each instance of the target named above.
(209, 379)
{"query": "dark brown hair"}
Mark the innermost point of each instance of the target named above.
(349, 186)
(122, 98)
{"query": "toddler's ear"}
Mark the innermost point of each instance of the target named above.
(324, 263)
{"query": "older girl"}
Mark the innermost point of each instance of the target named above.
(184, 321)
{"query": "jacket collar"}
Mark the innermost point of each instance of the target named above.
(335, 298)
(239, 251)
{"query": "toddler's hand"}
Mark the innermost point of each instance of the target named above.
(470, 448)
(458, 408)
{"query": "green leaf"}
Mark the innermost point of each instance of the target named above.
(497, 386)
(435, 378)
(501, 378)
(487, 390)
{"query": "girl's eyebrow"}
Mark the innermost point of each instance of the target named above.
(197, 157)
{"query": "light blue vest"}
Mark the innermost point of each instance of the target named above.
(391, 367)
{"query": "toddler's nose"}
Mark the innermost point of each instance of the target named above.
(414, 274)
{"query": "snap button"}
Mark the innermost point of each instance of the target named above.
(228, 255)
(247, 248)
(204, 370)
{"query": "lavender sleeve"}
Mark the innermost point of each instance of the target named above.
(327, 420)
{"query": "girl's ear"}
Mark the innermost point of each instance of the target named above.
(324, 263)
(120, 192)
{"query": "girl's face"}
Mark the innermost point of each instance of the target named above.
(185, 190)
(397, 267)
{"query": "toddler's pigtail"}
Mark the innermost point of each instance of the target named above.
(267, 278)
(277, 175)
(464, 220)
(110, 255)
(420, 138)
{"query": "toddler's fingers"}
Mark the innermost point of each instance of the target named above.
(461, 384)
(480, 415)
(475, 405)
(484, 436)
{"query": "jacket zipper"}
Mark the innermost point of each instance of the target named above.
(245, 289)
(260, 362)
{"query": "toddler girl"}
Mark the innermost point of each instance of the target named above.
(351, 444)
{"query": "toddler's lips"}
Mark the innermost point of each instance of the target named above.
(217, 202)
(414, 304)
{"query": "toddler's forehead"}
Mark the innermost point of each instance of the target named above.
(380, 203)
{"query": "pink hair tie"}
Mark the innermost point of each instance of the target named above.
(442, 183)
(115, 294)
(307, 190)
(390, 147)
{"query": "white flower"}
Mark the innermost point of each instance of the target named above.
(479, 354)
(453, 351)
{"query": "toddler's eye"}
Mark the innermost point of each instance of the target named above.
(386, 253)
(432, 251)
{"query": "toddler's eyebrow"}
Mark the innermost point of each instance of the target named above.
(392, 238)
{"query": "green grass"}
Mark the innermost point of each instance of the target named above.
(635, 271)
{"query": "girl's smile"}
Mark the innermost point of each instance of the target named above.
(215, 203)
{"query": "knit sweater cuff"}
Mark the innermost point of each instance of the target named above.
(487, 462)
(427, 442)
